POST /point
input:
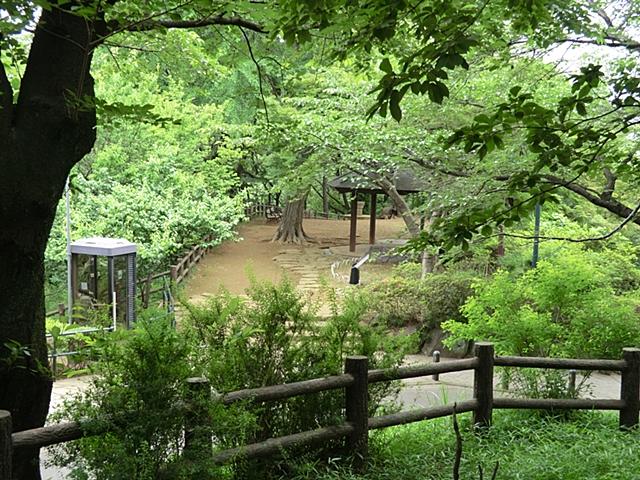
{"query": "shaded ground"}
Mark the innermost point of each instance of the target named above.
(226, 266)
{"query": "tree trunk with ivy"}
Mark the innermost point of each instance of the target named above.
(290, 229)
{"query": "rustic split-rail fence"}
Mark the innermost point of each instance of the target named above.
(356, 426)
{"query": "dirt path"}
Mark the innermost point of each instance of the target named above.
(227, 265)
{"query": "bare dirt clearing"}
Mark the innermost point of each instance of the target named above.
(226, 266)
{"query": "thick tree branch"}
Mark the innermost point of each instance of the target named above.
(259, 71)
(632, 217)
(430, 165)
(603, 200)
(609, 41)
(401, 206)
(204, 22)
(611, 205)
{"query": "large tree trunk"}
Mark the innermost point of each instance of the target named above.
(41, 138)
(290, 227)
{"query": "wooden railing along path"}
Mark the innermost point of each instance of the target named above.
(355, 381)
(180, 270)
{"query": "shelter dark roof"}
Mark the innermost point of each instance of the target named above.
(404, 180)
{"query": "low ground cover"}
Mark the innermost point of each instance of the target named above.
(527, 446)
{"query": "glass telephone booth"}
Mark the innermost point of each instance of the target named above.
(103, 275)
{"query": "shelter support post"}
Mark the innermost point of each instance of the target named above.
(372, 219)
(354, 223)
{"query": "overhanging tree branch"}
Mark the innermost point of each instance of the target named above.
(632, 217)
(259, 69)
(203, 22)
(614, 206)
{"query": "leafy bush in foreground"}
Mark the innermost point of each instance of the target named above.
(270, 338)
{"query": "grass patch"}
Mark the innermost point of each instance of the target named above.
(527, 447)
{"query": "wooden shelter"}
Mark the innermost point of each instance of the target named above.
(353, 183)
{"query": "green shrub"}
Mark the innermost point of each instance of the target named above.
(272, 337)
(565, 307)
(405, 299)
(139, 381)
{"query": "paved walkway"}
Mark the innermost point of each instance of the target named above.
(457, 386)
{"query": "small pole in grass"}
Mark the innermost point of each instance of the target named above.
(354, 277)
(436, 359)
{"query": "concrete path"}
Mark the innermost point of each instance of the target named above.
(457, 386)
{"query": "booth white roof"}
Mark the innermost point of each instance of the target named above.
(106, 247)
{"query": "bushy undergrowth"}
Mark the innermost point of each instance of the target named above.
(406, 299)
(527, 448)
(270, 338)
(571, 305)
(565, 307)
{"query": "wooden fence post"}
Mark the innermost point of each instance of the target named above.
(571, 386)
(6, 449)
(357, 409)
(173, 273)
(196, 438)
(483, 384)
(630, 388)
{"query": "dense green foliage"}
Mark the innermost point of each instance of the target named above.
(271, 338)
(163, 185)
(567, 306)
(404, 299)
(186, 133)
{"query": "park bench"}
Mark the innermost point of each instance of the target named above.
(273, 212)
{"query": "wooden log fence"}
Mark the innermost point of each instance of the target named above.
(267, 210)
(354, 381)
(179, 271)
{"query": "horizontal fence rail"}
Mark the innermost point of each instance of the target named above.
(561, 363)
(288, 390)
(179, 271)
(355, 383)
